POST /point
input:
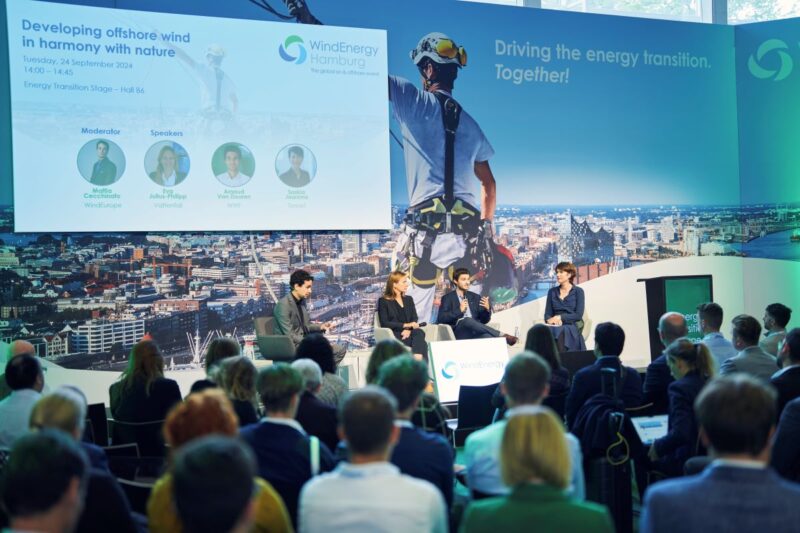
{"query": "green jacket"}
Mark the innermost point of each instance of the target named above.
(533, 507)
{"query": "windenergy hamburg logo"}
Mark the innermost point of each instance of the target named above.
(755, 63)
(293, 42)
(450, 370)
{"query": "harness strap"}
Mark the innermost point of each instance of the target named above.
(451, 114)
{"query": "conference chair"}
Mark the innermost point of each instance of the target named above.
(137, 493)
(96, 414)
(123, 460)
(475, 410)
(574, 361)
(273, 347)
(146, 435)
(433, 332)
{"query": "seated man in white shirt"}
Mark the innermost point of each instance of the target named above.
(710, 315)
(369, 493)
(25, 378)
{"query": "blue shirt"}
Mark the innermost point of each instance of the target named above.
(15, 414)
(721, 348)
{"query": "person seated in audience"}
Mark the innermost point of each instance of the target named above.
(316, 347)
(710, 316)
(286, 455)
(218, 350)
(317, 417)
(609, 339)
(525, 383)
(417, 453)
(535, 462)
(214, 489)
(671, 327)
(25, 378)
(18, 347)
(737, 492)
(397, 312)
(751, 359)
(368, 493)
(44, 483)
(776, 318)
(237, 377)
(208, 412)
(430, 415)
(787, 380)
(106, 507)
(142, 393)
(691, 366)
(467, 313)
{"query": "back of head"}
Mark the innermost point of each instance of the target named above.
(737, 414)
(382, 352)
(367, 419)
(213, 484)
(219, 349)
(792, 343)
(525, 378)
(237, 377)
(39, 472)
(203, 413)
(311, 372)
(711, 313)
(609, 339)
(672, 326)
(540, 341)
(746, 329)
(145, 363)
(21, 347)
(405, 378)
(780, 314)
(696, 355)
(277, 385)
(22, 372)
(534, 447)
(61, 409)
(317, 348)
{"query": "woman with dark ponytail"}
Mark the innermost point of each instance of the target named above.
(692, 366)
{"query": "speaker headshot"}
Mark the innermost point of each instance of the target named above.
(169, 163)
(101, 162)
(301, 166)
(233, 164)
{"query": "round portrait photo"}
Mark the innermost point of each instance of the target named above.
(101, 162)
(233, 164)
(296, 165)
(166, 163)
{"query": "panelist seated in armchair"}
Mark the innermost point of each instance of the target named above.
(467, 313)
(397, 312)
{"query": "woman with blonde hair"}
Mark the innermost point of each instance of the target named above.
(237, 377)
(208, 413)
(535, 463)
(397, 312)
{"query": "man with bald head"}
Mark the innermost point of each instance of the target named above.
(671, 327)
(18, 347)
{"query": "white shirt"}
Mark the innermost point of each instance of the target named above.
(15, 413)
(373, 497)
(721, 348)
(170, 180)
(420, 116)
(237, 181)
(216, 88)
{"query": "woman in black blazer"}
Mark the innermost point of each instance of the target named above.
(397, 312)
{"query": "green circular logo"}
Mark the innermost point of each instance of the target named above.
(755, 63)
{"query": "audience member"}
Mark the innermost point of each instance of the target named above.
(205, 413)
(105, 507)
(430, 415)
(785, 458)
(691, 366)
(286, 456)
(44, 483)
(18, 347)
(736, 492)
(214, 489)
(219, 349)
(317, 348)
(417, 453)
(317, 417)
(776, 317)
(535, 461)
(671, 327)
(237, 377)
(609, 339)
(142, 393)
(787, 380)
(710, 317)
(25, 378)
(370, 493)
(751, 359)
(525, 383)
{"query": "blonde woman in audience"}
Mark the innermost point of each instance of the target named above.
(535, 462)
(208, 413)
(237, 377)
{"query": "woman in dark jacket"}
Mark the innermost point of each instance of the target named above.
(397, 312)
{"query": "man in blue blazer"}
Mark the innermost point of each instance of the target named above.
(737, 491)
(671, 327)
(467, 313)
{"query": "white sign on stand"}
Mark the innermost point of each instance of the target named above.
(466, 362)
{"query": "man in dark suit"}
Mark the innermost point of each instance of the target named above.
(467, 313)
(104, 171)
(283, 450)
(291, 315)
(738, 491)
(787, 380)
(317, 417)
(671, 327)
(609, 339)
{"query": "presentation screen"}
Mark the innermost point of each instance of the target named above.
(138, 121)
